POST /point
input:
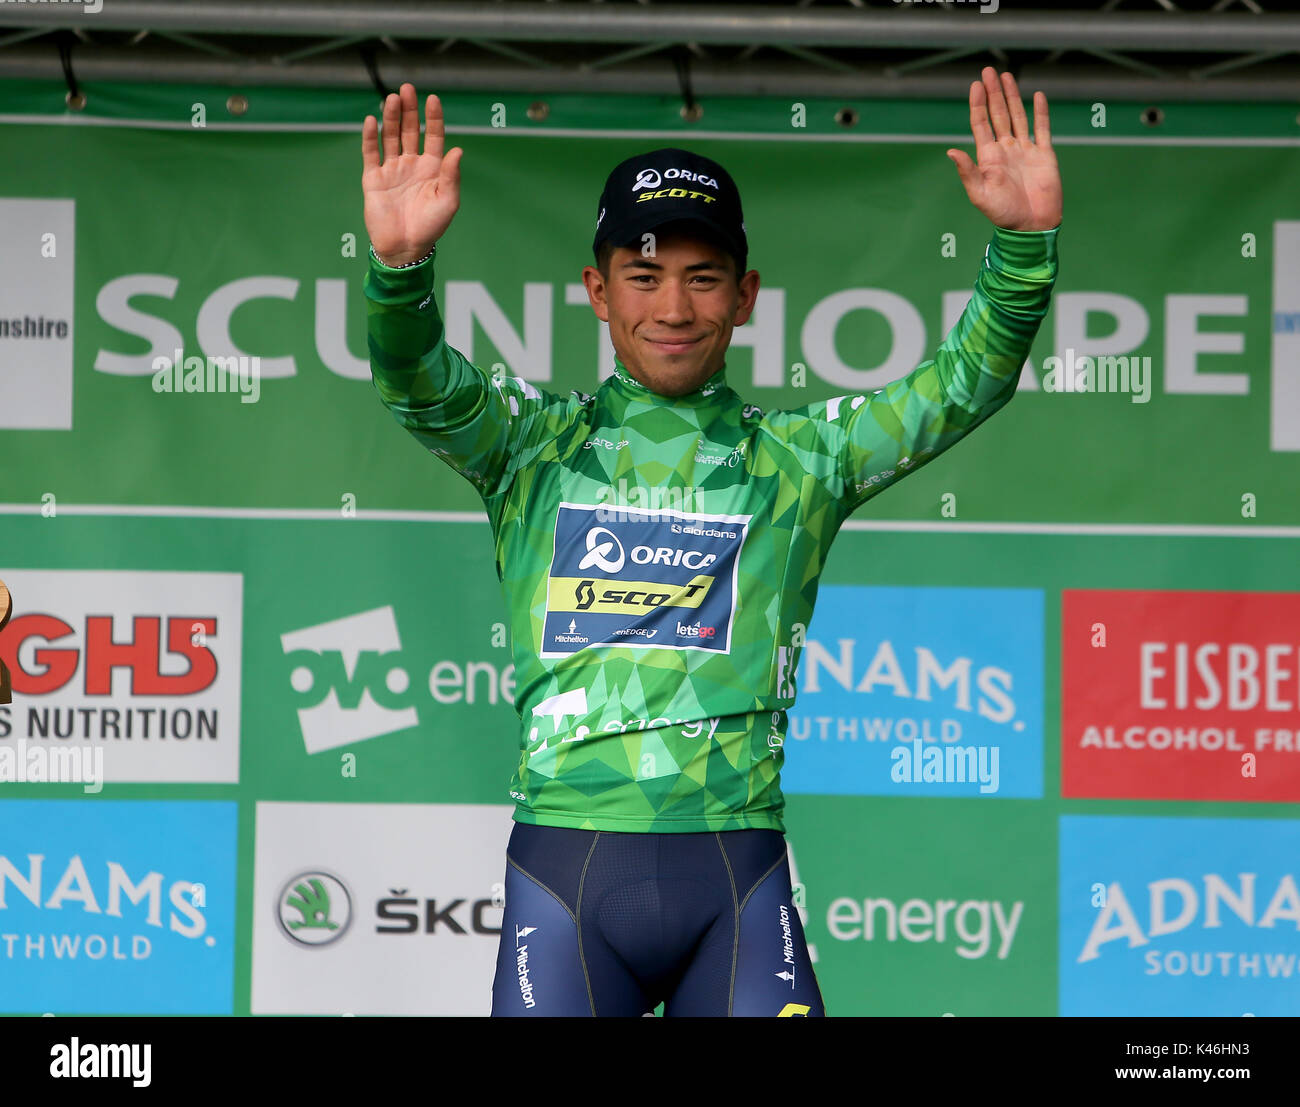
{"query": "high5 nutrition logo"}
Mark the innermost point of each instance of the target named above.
(643, 580)
(144, 666)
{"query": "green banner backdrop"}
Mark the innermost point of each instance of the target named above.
(159, 222)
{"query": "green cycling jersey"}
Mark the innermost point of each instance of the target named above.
(660, 556)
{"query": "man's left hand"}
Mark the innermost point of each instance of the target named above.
(1017, 183)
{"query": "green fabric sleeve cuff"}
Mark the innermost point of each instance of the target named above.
(1023, 249)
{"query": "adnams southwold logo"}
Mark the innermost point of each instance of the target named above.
(354, 681)
(117, 907)
(918, 691)
(1178, 916)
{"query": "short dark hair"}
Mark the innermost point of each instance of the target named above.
(606, 251)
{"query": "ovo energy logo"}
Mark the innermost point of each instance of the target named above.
(341, 666)
(354, 681)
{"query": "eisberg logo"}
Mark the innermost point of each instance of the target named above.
(650, 178)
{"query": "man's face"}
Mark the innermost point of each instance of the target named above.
(671, 314)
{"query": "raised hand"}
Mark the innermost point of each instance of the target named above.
(411, 197)
(1017, 183)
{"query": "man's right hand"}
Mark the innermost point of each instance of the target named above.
(411, 198)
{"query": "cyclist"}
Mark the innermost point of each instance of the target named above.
(660, 544)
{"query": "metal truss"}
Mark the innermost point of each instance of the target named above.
(1119, 49)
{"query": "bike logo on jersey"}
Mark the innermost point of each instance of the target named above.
(653, 580)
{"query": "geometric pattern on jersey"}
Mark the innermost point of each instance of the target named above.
(682, 537)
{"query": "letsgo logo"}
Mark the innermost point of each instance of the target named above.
(354, 682)
(653, 580)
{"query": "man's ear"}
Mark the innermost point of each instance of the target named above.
(597, 289)
(747, 297)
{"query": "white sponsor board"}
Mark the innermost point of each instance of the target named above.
(377, 909)
(37, 261)
(143, 666)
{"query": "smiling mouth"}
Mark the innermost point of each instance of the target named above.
(673, 346)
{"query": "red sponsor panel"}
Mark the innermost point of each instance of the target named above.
(1180, 695)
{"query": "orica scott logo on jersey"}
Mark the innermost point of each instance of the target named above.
(643, 580)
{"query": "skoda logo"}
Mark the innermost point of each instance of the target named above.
(314, 908)
(647, 178)
(600, 551)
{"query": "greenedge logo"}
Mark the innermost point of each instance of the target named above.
(314, 908)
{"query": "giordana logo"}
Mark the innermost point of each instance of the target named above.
(314, 908)
(651, 178)
(355, 682)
